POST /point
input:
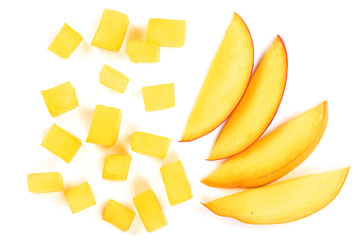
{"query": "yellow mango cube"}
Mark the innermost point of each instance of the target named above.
(116, 167)
(113, 79)
(118, 215)
(65, 42)
(166, 32)
(61, 143)
(159, 97)
(150, 144)
(143, 51)
(60, 99)
(176, 183)
(80, 197)
(111, 31)
(45, 182)
(105, 126)
(150, 211)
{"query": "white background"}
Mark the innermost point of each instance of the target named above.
(322, 40)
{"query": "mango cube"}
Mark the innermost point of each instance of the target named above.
(150, 211)
(159, 97)
(80, 197)
(176, 183)
(116, 167)
(113, 79)
(60, 99)
(111, 31)
(45, 182)
(61, 143)
(143, 51)
(105, 126)
(149, 144)
(65, 42)
(166, 32)
(118, 215)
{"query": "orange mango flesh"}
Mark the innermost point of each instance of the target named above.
(118, 215)
(176, 183)
(159, 97)
(45, 182)
(225, 82)
(258, 106)
(150, 211)
(282, 202)
(166, 32)
(113, 79)
(116, 167)
(143, 51)
(80, 197)
(274, 155)
(150, 144)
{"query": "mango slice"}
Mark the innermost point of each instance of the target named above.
(118, 215)
(45, 182)
(116, 167)
(150, 144)
(176, 183)
(111, 31)
(60, 99)
(159, 97)
(80, 197)
(225, 83)
(61, 143)
(150, 211)
(258, 106)
(113, 79)
(166, 32)
(65, 42)
(105, 126)
(143, 51)
(282, 202)
(274, 155)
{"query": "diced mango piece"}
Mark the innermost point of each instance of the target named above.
(111, 31)
(166, 32)
(61, 143)
(105, 126)
(113, 79)
(60, 99)
(159, 97)
(116, 167)
(118, 215)
(176, 183)
(45, 182)
(143, 51)
(80, 197)
(149, 144)
(150, 211)
(65, 42)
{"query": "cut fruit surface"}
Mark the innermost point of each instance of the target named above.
(274, 155)
(282, 202)
(225, 82)
(258, 106)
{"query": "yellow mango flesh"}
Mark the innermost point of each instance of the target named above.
(45, 182)
(60, 99)
(65, 42)
(61, 143)
(150, 144)
(80, 197)
(166, 32)
(275, 154)
(225, 82)
(150, 211)
(143, 51)
(118, 215)
(105, 126)
(257, 107)
(111, 31)
(282, 202)
(116, 167)
(159, 97)
(176, 183)
(113, 79)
